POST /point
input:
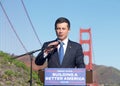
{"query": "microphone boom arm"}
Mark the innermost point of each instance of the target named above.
(28, 53)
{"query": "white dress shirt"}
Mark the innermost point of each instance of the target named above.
(64, 46)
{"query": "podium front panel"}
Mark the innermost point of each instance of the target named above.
(65, 76)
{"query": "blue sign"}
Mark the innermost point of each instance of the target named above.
(65, 76)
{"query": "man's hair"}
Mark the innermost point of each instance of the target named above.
(62, 20)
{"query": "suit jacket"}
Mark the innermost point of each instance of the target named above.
(73, 57)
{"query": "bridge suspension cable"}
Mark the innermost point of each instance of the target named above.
(12, 27)
(31, 22)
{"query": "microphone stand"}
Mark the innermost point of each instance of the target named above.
(31, 59)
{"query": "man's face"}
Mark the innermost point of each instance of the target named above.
(62, 31)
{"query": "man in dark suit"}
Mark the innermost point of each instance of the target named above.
(72, 53)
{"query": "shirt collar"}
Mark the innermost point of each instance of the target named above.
(65, 41)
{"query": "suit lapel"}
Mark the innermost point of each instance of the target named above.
(56, 57)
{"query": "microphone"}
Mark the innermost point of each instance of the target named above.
(59, 41)
(53, 46)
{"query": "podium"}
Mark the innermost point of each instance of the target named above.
(64, 77)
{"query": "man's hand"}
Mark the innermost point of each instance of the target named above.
(51, 47)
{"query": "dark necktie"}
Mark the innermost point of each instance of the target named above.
(61, 52)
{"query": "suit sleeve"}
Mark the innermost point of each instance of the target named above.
(40, 57)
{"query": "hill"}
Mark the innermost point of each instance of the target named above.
(109, 76)
(15, 73)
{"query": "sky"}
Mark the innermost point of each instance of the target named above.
(101, 16)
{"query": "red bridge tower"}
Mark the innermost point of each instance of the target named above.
(86, 42)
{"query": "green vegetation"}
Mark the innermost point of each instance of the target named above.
(9, 73)
(15, 73)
